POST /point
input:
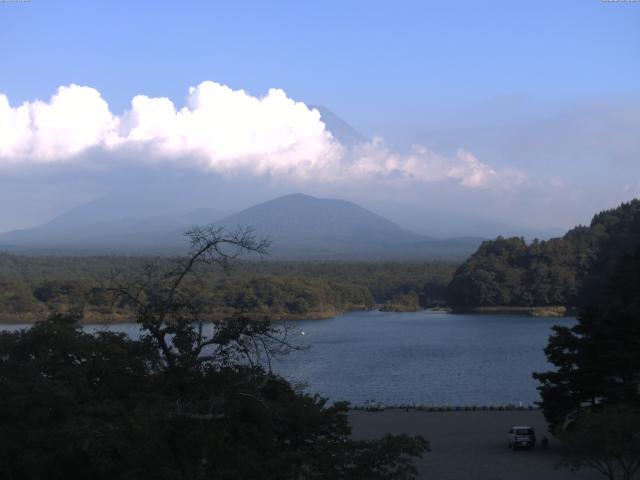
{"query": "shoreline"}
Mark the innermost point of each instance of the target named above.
(507, 407)
(91, 318)
(539, 311)
(114, 319)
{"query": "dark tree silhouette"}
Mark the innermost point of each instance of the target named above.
(607, 440)
(592, 398)
(193, 399)
(169, 309)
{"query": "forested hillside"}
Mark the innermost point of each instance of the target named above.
(33, 287)
(569, 271)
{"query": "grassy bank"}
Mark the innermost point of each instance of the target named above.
(544, 311)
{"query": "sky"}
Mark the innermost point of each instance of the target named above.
(513, 113)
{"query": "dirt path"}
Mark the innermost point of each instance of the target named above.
(471, 445)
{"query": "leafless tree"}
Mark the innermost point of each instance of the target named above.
(171, 316)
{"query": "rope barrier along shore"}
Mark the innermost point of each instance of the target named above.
(376, 407)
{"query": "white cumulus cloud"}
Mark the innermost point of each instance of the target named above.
(75, 119)
(375, 160)
(222, 130)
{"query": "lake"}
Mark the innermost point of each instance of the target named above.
(431, 358)
(425, 357)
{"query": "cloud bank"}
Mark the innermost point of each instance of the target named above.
(221, 130)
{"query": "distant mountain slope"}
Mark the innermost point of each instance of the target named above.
(341, 130)
(301, 226)
(304, 216)
(88, 228)
(562, 271)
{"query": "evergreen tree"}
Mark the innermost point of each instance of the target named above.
(598, 359)
(592, 398)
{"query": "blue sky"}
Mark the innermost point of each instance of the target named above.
(475, 75)
(364, 59)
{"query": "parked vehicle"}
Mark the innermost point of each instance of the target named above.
(521, 436)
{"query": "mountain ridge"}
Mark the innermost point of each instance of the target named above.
(299, 225)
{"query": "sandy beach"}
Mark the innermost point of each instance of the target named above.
(471, 445)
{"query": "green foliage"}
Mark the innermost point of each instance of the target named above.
(598, 359)
(18, 300)
(282, 297)
(75, 405)
(607, 440)
(402, 302)
(177, 404)
(62, 392)
(592, 398)
(569, 271)
(32, 286)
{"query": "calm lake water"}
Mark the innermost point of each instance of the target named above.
(425, 357)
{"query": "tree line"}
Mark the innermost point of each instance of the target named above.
(570, 271)
(33, 287)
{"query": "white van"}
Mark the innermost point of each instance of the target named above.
(521, 436)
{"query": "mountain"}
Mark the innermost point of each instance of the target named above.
(89, 229)
(302, 216)
(568, 271)
(341, 130)
(300, 227)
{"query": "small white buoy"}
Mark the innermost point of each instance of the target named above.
(301, 333)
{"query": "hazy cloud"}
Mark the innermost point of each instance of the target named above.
(224, 131)
(375, 160)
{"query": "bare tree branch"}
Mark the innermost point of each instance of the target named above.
(171, 316)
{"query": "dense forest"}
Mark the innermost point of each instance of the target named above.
(32, 287)
(176, 403)
(568, 271)
(591, 396)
